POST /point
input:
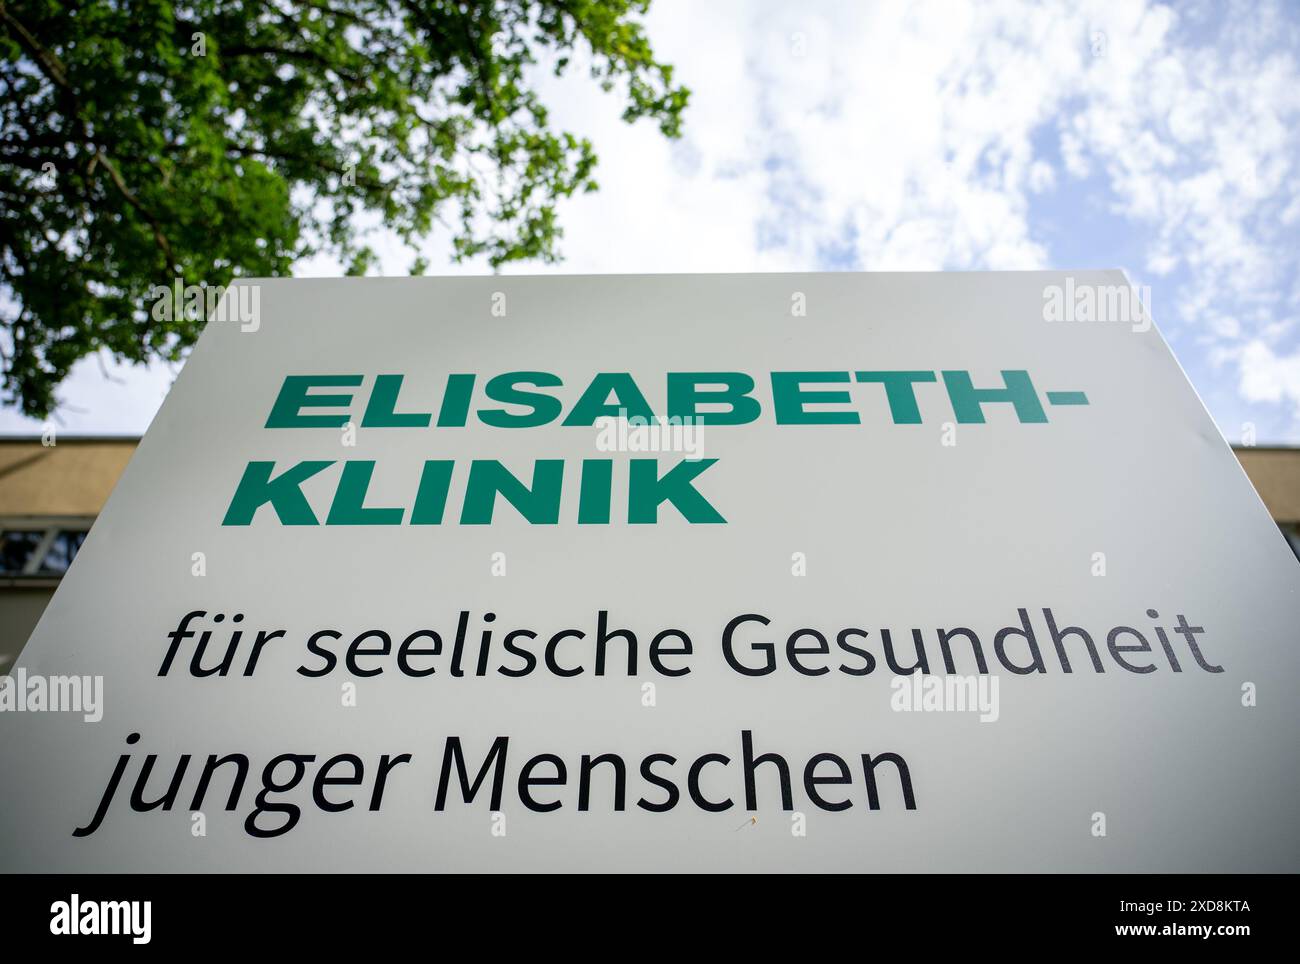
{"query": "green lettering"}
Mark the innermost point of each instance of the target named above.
(543, 408)
(789, 399)
(284, 493)
(293, 397)
(349, 508)
(539, 504)
(685, 396)
(381, 409)
(647, 490)
(593, 404)
(967, 401)
(899, 392)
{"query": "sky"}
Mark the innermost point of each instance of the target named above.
(859, 136)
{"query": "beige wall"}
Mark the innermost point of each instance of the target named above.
(1276, 476)
(66, 483)
(72, 478)
(20, 610)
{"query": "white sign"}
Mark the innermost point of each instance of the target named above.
(753, 572)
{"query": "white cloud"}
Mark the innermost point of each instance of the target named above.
(1269, 377)
(102, 397)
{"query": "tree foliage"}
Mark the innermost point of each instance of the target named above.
(143, 141)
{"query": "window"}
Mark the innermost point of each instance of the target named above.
(42, 552)
(1292, 533)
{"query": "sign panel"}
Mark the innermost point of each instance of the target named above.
(773, 572)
